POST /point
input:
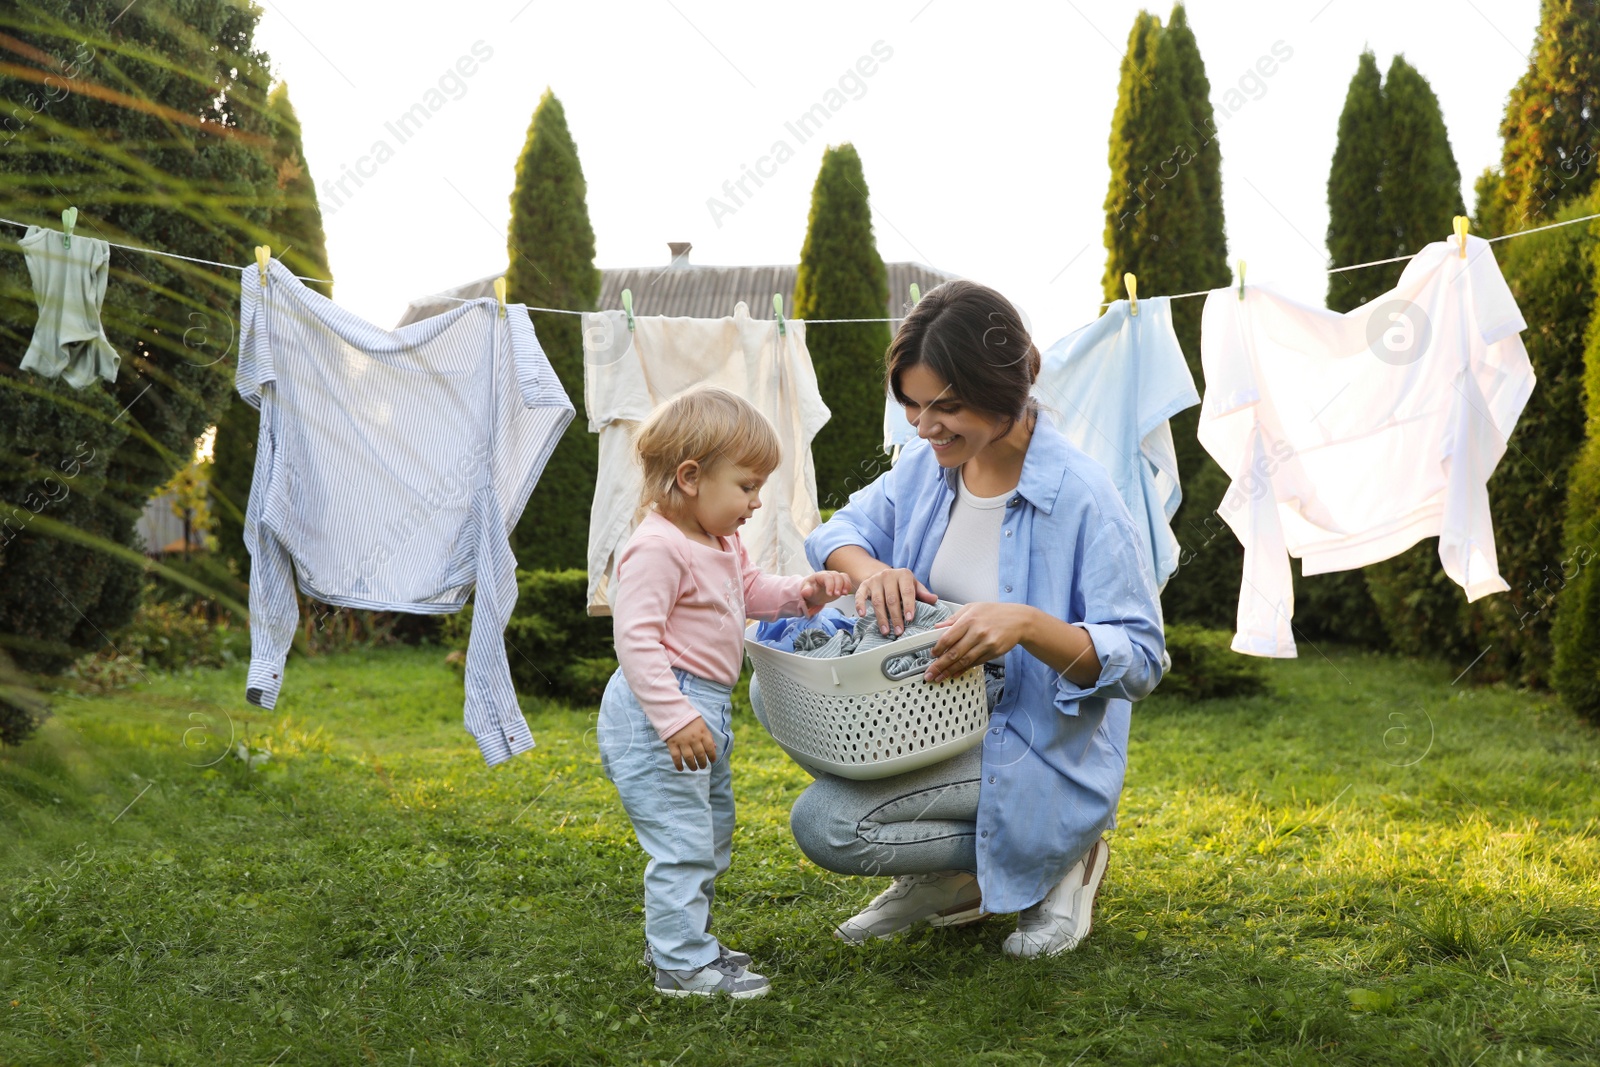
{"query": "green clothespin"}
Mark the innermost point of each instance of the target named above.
(777, 309)
(916, 295)
(69, 219)
(627, 307)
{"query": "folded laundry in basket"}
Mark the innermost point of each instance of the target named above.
(927, 616)
(797, 633)
(819, 645)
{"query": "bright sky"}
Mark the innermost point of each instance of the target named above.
(983, 128)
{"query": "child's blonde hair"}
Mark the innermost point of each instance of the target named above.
(709, 424)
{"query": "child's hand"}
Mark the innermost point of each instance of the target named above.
(823, 587)
(693, 745)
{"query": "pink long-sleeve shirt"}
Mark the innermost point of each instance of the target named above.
(680, 603)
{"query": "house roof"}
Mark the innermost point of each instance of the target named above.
(680, 288)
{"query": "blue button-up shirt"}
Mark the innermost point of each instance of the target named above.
(1056, 752)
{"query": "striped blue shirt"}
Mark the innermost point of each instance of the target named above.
(390, 469)
(1056, 752)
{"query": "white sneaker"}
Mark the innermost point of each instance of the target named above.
(944, 898)
(1061, 921)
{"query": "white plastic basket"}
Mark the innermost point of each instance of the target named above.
(845, 716)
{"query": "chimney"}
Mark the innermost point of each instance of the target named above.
(680, 253)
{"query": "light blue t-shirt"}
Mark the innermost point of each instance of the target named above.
(1111, 387)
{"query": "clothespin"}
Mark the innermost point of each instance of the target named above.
(1133, 292)
(916, 295)
(627, 307)
(263, 253)
(1241, 279)
(777, 309)
(500, 293)
(69, 219)
(1460, 224)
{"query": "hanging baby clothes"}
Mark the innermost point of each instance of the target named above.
(1349, 438)
(627, 373)
(69, 285)
(391, 467)
(1111, 386)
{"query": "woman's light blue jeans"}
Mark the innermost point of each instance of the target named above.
(683, 819)
(913, 823)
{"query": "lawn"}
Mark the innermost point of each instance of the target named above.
(1369, 865)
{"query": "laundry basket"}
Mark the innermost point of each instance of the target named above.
(845, 716)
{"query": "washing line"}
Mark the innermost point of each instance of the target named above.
(569, 311)
(170, 255)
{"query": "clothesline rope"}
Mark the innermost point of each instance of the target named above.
(569, 311)
(171, 255)
(1413, 255)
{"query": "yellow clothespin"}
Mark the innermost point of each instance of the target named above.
(777, 310)
(1133, 292)
(1241, 279)
(916, 295)
(1460, 225)
(500, 293)
(263, 253)
(69, 219)
(627, 307)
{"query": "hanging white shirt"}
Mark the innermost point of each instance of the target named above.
(390, 469)
(1111, 386)
(1349, 438)
(627, 373)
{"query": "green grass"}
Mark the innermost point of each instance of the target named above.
(1369, 865)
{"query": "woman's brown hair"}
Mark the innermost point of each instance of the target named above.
(974, 339)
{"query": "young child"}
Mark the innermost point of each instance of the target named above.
(682, 589)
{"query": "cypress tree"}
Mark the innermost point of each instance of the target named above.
(841, 276)
(551, 247)
(1164, 223)
(1547, 168)
(1550, 276)
(179, 163)
(1552, 144)
(1575, 633)
(1357, 228)
(297, 239)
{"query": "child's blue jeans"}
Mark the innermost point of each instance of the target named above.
(683, 819)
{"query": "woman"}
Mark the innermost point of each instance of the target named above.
(991, 508)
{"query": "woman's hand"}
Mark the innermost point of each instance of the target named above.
(975, 634)
(893, 593)
(822, 588)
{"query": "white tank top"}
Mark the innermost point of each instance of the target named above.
(966, 569)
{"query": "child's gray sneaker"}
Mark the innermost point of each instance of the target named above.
(716, 977)
(738, 959)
